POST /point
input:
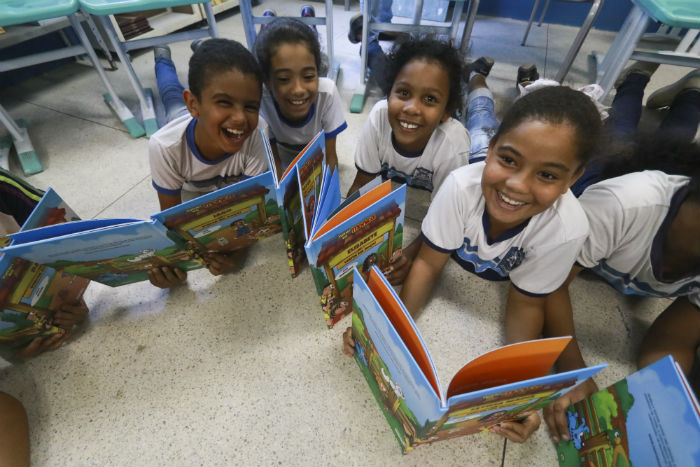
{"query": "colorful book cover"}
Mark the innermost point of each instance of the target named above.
(295, 201)
(229, 219)
(497, 386)
(50, 210)
(113, 253)
(650, 419)
(30, 293)
(369, 231)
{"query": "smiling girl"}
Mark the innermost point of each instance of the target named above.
(296, 103)
(411, 136)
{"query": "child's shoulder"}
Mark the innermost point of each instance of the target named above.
(326, 86)
(455, 133)
(565, 217)
(173, 133)
(636, 189)
(466, 178)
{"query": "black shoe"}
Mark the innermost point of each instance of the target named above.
(161, 51)
(196, 43)
(527, 74)
(355, 32)
(481, 65)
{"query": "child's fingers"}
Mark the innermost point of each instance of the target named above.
(40, 345)
(555, 418)
(166, 277)
(518, 432)
(220, 263)
(398, 271)
(71, 314)
(348, 343)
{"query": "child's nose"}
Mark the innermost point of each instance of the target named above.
(237, 114)
(518, 182)
(411, 106)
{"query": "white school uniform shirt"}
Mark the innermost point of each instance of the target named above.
(536, 255)
(326, 114)
(176, 163)
(629, 216)
(447, 149)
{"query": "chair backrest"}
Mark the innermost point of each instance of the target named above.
(23, 11)
(113, 7)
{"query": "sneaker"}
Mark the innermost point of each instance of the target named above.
(161, 51)
(664, 97)
(308, 11)
(481, 65)
(643, 68)
(527, 74)
(196, 43)
(271, 13)
(355, 32)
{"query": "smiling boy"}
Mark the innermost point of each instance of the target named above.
(215, 145)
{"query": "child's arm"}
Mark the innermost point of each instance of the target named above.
(71, 314)
(331, 154)
(168, 201)
(425, 271)
(518, 431)
(402, 265)
(360, 180)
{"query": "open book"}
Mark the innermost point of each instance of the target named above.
(366, 230)
(650, 418)
(30, 293)
(116, 252)
(497, 386)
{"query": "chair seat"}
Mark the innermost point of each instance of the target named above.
(677, 13)
(113, 7)
(23, 11)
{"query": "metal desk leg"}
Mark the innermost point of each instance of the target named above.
(23, 145)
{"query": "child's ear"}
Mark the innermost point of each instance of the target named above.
(191, 102)
(445, 116)
(574, 178)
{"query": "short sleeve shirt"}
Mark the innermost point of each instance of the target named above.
(536, 256)
(376, 153)
(176, 163)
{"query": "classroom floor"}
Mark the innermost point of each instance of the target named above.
(241, 369)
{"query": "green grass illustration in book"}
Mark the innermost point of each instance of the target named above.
(497, 386)
(650, 418)
(30, 293)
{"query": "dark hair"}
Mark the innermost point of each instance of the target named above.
(431, 50)
(218, 56)
(558, 105)
(665, 152)
(285, 31)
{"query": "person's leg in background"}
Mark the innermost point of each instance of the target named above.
(683, 99)
(169, 86)
(481, 120)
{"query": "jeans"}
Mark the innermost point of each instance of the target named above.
(481, 123)
(681, 121)
(170, 89)
(380, 11)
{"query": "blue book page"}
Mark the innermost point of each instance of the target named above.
(372, 236)
(328, 202)
(50, 210)
(646, 419)
(399, 385)
(269, 155)
(228, 219)
(68, 228)
(113, 256)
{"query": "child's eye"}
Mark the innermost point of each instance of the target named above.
(507, 160)
(252, 108)
(430, 99)
(223, 103)
(310, 77)
(282, 80)
(548, 176)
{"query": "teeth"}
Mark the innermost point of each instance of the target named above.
(408, 126)
(233, 132)
(509, 201)
(298, 102)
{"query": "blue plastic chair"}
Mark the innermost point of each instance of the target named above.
(101, 9)
(13, 12)
(674, 13)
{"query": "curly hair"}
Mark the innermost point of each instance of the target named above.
(431, 50)
(218, 56)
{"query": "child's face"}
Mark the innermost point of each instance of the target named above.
(526, 170)
(417, 103)
(294, 81)
(227, 111)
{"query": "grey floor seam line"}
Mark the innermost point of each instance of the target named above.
(96, 216)
(73, 116)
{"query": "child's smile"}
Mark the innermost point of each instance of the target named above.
(227, 113)
(526, 171)
(294, 81)
(417, 102)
